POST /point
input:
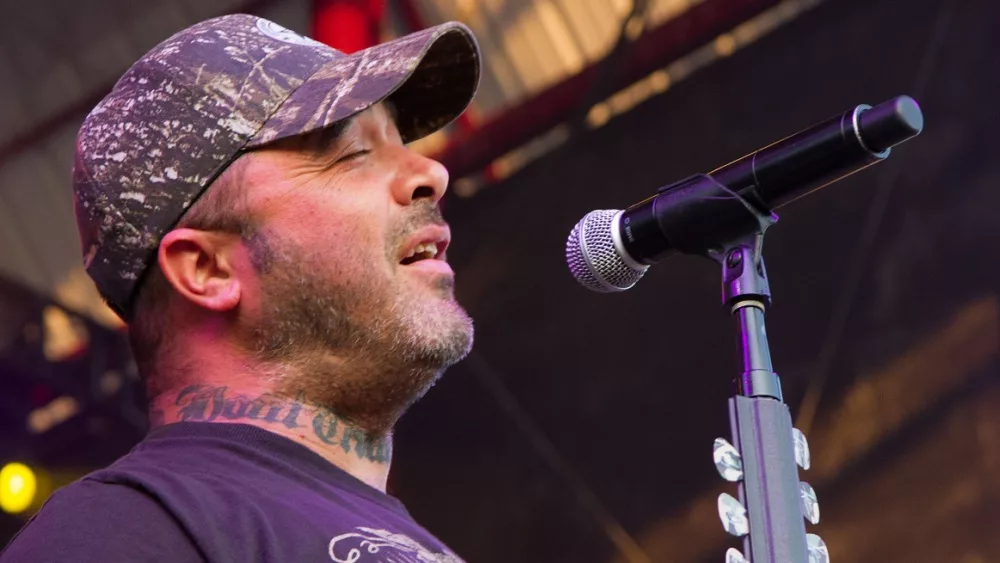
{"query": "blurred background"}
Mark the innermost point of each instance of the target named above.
(581, 427)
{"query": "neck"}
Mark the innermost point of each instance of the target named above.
(346, 445)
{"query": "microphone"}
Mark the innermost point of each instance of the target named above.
(609, 250)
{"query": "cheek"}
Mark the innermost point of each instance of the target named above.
(344, 238)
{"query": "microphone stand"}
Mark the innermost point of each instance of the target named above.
(723, 215)
(765, 449)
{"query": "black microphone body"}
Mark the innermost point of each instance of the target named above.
(699, 213)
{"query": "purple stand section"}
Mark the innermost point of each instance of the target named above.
(762, 432)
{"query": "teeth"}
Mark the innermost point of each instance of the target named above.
(425, 250)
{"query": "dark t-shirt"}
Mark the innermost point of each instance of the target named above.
(219, 493)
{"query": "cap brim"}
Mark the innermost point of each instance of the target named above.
(431, 76)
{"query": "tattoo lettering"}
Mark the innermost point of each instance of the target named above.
(325, 427)
(233, 409)
(292, 416)
(198, 402)
(205, 403)
(364, 445)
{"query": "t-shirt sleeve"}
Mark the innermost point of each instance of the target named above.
(90, 522)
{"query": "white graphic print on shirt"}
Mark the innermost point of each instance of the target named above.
(369, 545)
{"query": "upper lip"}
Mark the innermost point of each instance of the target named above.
(438, 235)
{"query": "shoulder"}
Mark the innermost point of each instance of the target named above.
(91, 520)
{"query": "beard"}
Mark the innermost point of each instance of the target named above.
(364, 345)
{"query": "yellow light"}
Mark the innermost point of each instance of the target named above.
(18, 486)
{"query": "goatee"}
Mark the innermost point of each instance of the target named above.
(363, 346)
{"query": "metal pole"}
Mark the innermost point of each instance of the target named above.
(762, 458)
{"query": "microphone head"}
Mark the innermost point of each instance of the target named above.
(595, 255)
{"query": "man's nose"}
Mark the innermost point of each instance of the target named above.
(420, 177)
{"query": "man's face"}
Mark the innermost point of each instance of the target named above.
(352, 284)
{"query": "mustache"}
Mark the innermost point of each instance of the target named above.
(419, 216)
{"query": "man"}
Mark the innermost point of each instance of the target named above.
(247, 203)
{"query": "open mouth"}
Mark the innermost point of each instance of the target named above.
(429, 243)
(423, 251)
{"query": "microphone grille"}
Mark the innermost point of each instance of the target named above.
(593, 258)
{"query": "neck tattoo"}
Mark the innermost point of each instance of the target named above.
(205, 403)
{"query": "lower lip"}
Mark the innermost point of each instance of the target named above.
(431, 267)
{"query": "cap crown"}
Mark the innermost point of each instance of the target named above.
(175, 119)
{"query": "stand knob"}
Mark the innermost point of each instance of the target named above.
(817, 549)
(810, 506)
(727, 460)
(733, 515)
(801, 449)
(734, 555)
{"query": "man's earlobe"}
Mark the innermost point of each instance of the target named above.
(200, 267)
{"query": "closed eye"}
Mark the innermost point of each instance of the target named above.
(347, 156)
(353, 155)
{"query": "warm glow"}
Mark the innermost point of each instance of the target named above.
(431, 144)
(18, 486)
(634, 27)
(56, 412)
(77, 292)
(598, 115)
(64, 335)
(724, 45)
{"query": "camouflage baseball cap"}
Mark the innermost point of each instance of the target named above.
(190, 106)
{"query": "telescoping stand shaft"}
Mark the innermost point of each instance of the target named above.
(762, 457)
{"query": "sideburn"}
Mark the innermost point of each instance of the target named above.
(261, 253)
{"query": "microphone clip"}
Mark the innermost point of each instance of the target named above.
(744, 277)
(703, 217)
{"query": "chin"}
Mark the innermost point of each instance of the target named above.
(452, 346)
(445, 336)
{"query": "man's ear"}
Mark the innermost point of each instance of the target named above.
(201, 267)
